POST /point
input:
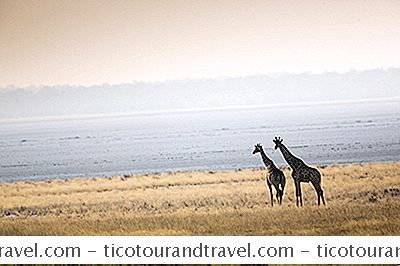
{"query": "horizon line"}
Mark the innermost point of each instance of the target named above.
(218, 77)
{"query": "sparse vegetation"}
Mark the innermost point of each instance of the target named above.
(361, 200)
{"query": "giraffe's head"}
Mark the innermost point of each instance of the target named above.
(257, 148)
(278, 142)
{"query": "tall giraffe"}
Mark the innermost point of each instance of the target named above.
(274, 177)
(301, 172)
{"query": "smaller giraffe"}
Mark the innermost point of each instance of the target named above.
(274, 177)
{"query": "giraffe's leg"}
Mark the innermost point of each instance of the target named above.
(282, 183)
(317, 189)
(270, 192)
(300, 196)
(278, 193)
(322, 196)
(320, 192)
(297, 185)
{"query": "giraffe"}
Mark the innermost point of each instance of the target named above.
(301, 172)
(274, 177)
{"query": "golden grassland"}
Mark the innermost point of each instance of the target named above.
(361, 200)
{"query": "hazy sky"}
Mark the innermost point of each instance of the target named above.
(93, 42)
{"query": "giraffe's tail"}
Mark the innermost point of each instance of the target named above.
(283, 181)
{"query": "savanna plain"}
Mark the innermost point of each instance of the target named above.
(362, 199)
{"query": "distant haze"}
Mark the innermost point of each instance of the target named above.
(199, 94)
(85, 42)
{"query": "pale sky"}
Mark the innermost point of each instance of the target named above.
(50, 42)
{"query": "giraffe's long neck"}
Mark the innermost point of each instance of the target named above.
(292, 160)
(269, 164)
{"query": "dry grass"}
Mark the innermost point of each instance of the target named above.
(361, 200)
